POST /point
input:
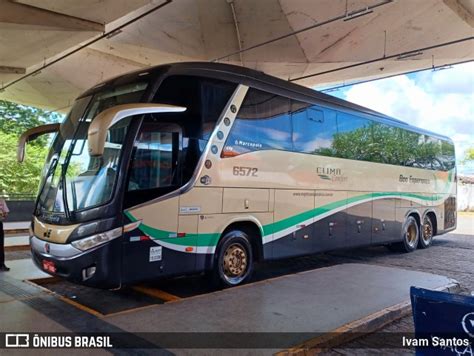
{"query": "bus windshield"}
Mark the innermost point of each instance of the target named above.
(72, 179)
(167, 148)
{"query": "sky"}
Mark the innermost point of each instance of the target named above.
(441, 101)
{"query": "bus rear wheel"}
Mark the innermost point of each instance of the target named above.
(427, 233)
(234, 259)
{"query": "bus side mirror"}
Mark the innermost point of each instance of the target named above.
(99, 126)
(32, 134)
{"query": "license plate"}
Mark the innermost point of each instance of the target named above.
(49, 266)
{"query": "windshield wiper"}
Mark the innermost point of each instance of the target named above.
(63, 185)
(65, 165)
(51, 169)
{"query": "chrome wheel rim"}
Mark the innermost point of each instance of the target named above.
(427, 230)
(411, 235)
(235, 263)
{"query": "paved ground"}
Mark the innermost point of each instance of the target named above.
(16, 255)
(294, 307)
(451, 255)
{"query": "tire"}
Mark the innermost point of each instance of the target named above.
(427, 233)
(233, 263)
(410, 236)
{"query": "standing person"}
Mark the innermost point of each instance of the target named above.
(3, 215)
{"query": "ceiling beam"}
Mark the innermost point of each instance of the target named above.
(12, 70)
(34, 18)
(463, 8)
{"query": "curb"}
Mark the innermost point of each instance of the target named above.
(352, 330)
(16, 231)
(15, 248)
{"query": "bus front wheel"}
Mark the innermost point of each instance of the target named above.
(410, 236)
(234, 259)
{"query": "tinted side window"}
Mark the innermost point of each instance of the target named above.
(448, 156)
(354, 135)
(214, 96)
(314, 129)
(203, 98)
(429, 152)
(409, 147)
(262, 123)
(421, 151)
(385, 145)
(153, 164)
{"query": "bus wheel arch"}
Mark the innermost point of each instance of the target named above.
(254, 233)
(416, 215)
(236, 235)
(434, 219)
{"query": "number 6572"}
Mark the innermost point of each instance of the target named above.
(245, 171)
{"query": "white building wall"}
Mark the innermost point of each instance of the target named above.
(465, 197)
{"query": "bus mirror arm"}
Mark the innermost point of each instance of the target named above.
(30, 135)
(99, 126)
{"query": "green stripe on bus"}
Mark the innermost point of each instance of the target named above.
(298, 219)
(188, 240)
(211, 239)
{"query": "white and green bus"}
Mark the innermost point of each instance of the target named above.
(204, 167)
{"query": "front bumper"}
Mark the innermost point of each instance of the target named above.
(72, 263)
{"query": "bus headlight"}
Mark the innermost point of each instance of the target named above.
(96, 240)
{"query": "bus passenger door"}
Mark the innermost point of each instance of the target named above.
(385, 227)
(359, 219)
(155, 248)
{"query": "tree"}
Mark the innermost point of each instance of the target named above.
(469, 155)
(18, 178)
(14, 120)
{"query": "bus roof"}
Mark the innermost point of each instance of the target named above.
(253, 78)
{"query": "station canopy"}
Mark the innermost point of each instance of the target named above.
(52, 50)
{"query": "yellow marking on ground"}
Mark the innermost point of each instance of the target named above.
(81, 306)
(39, 281)
(466, 213)
(156, 293)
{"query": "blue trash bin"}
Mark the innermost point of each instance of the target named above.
(444, 322)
